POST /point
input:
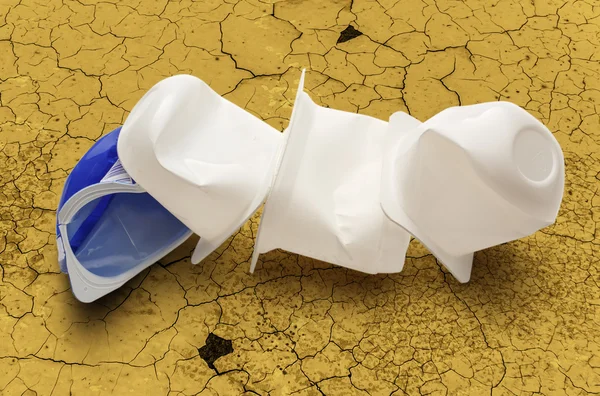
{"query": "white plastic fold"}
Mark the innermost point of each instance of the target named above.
(470, 178)
(206, 160)
(325, 202)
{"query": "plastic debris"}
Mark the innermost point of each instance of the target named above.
(108, 228)
(471, 177)
(325, 200)
(339, 187)
(205, 159)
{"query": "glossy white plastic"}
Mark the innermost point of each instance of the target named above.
(206, 160)
(325, 201)
(470, 178)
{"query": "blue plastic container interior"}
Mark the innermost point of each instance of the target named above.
(118, 232)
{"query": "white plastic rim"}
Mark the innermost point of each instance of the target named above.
(206, 160)
(325, 202)
(470, 178)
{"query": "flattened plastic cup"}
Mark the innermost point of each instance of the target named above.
(108, 228)
(206, 160)
(325, 201)
(133, 232)
(470, 178)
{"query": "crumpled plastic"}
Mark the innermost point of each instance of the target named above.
(343, 187)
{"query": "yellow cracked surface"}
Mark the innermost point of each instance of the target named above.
(527, 323)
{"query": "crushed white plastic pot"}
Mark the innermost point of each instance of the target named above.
(108, 228)
(470, 178)
(208, 161)
(325, 201)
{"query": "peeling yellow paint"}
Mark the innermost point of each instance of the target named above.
(527, 323)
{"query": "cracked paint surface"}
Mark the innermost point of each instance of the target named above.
(527, 323)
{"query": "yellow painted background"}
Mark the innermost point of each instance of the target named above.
(527, 323)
